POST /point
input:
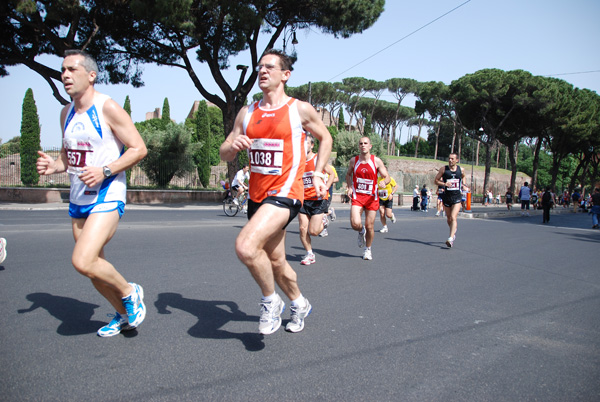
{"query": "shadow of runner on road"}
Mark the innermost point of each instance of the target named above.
(75, 316)
(212, 315)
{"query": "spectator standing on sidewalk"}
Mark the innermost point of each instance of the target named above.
(595, 208)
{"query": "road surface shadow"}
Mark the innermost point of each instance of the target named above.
(75, 315)
(211, 315)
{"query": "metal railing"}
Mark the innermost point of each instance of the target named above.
(10, 175)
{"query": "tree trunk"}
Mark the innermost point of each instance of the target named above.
(419, 137)
(536, 160)
(477, 154)
(437, 138)
(488, 165)
(453, 136)
(498, 154)
(510, 153)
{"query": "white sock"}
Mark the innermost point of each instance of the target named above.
(367, 248)
(300, 302)
(309, 251)
(269, 298)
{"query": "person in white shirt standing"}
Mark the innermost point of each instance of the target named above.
(525, 197)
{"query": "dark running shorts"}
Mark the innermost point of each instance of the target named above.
(314, 207)
(292, 205)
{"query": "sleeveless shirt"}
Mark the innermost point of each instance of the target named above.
(89, 141)
(364, 179)
(277, 155)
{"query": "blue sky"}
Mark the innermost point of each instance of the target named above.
(545, 37)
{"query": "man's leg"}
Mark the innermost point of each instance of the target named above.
(451, 217)
(383, 214)
(91, 235)
(315, 225)
(370, 226)
(266, 226)
(303, 221)
(356, 223)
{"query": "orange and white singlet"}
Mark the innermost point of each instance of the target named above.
(309, 187)
(364, 179)
(277, 155)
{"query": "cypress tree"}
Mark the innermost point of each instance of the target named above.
(166, 113)
(341, 122)
(202, 156)
(30, 140)
(368, 129)
(127, 106)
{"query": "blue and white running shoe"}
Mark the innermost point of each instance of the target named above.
(134, 305)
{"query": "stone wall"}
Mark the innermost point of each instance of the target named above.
(411, 172)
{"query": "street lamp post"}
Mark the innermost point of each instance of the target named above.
(287, 35)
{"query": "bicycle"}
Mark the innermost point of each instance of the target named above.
(230, 206)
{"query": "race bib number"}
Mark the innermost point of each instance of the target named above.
(383, 193)
(453, 184)
(266, 156)
(364, 186)
(77, 151)
(307, 179)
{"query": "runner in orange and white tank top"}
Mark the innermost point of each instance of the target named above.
(312, 218)
(271, 132)
(361, 179)
(277, 154)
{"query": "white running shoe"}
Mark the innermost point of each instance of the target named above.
(332, 214)
(270, 315)
(384, 229)
(362, 238)
(325, 221)
(437, 213)
(324, 233)
(2, 249)
(296, 323)
(393, 218)
(367, 255)
(134, 305)
(450, 241)
(308, 259)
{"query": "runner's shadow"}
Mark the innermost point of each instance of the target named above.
(75, 316)
(318, 252)
(211, 315)
(436, 244)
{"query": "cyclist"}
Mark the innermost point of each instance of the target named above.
(239, 182)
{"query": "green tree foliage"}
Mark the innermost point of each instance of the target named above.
(217, 136)
(368, 129)
(203, 138)
(346, 147)
(30, 140)
(169, 153)
(341, 122)
(166, 112)
(127, 105)
(10, 147)
(52, 26)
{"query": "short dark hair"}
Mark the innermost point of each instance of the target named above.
(89, 63)
(284, 59)
(453, 153)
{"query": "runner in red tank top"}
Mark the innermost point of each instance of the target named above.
(361, 179)
(277, 156)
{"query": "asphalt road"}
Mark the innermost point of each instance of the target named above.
(511, 313)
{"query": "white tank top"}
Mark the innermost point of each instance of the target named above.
(89, 141)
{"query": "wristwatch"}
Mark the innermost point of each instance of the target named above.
(107, 171)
